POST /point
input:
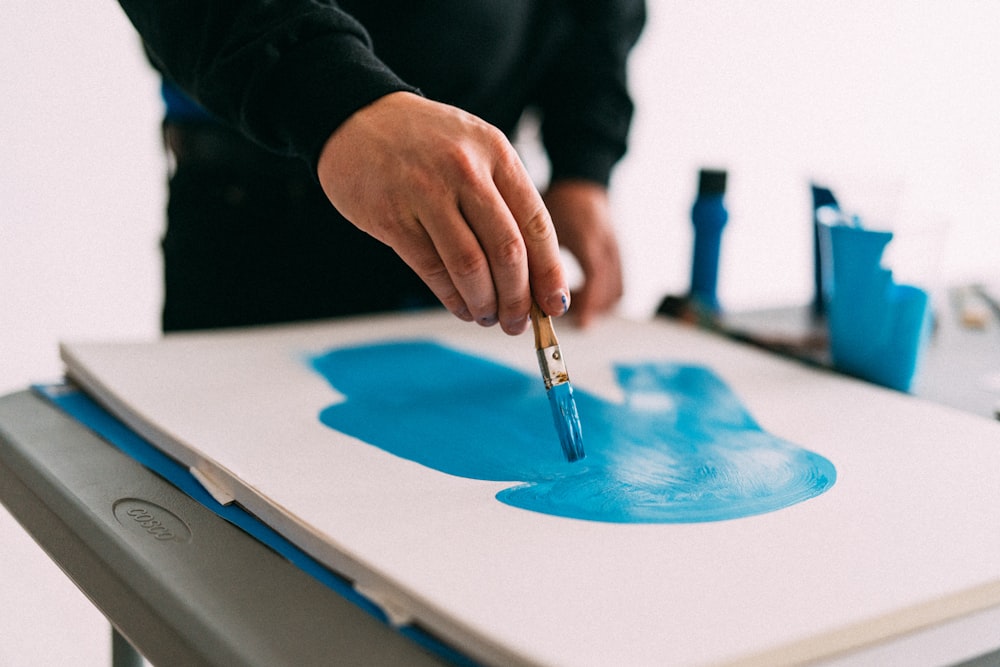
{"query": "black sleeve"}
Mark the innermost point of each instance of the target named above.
(584, 101)
(286, 73)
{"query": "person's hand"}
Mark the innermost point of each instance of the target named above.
(581, 214)
(450, 195)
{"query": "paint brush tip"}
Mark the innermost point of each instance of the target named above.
(567, 421)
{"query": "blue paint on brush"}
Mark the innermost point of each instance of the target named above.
(567, 420)
(555, 377)
(681, 448)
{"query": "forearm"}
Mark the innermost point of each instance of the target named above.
(286, 74)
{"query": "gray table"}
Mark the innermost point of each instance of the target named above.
(218, 597)
(960, 367)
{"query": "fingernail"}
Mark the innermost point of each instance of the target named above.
(516, 326)
(488, 320)
(558, 303)
(464, 314)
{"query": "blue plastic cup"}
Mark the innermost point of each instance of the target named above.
(878, 329)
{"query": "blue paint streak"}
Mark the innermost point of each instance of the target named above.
(680, 449)
(567, 420)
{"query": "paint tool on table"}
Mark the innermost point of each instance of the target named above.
(557, 385)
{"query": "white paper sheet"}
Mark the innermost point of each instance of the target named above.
(907, 537)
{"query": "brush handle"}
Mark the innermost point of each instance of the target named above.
(550, 359)
(545, 335)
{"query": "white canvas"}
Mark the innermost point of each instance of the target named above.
(907, 538)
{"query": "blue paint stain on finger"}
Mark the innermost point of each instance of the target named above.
(680, 449)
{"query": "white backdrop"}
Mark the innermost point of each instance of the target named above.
(904, 94)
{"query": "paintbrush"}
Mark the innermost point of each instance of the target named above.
(557, 386)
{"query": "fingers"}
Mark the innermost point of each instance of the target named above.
(547, 276)
(466, 261)
(600, 261)
(602, 289)
(581, 214)
(449, 194)
(417, 250)
(500, 247)
(473, 259)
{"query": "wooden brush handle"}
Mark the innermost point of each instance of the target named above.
(545, 335)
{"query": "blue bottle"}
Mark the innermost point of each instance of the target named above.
(709, 216)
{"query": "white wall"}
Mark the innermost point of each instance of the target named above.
(852, 93)
(902, 93)
(80, 199)
(81, 183)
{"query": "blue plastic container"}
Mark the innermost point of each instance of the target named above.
(878, 329)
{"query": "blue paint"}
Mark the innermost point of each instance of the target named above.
(680, 449)
(567, 421)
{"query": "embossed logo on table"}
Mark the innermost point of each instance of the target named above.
(151, 520)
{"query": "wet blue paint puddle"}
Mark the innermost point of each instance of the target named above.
(680, 449)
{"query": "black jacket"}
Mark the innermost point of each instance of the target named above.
(287, 73)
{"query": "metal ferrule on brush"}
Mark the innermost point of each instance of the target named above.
(550, 361)
(557, 385)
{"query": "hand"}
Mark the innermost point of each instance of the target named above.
(449, 194)
(581, 214)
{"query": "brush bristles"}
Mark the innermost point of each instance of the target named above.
(567, 421)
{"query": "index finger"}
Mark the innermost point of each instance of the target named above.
(545, 268)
